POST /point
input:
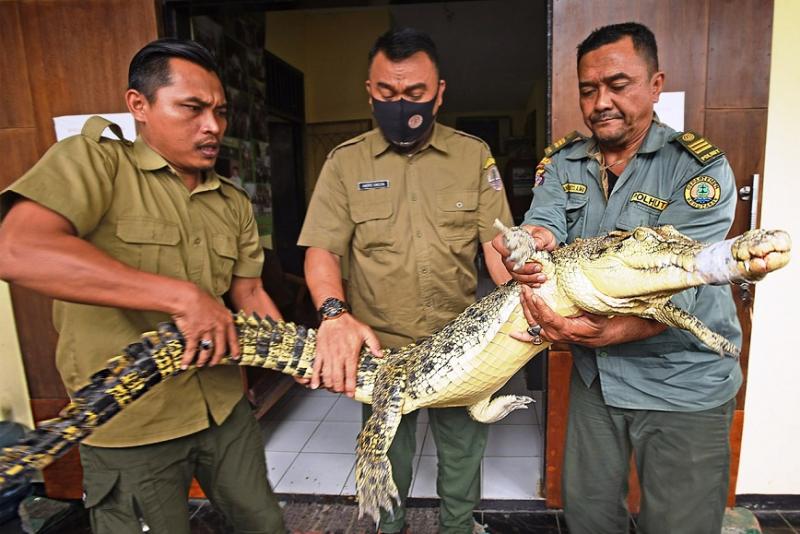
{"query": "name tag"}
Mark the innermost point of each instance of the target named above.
(649, 200)
(377, 184)
(574, 188)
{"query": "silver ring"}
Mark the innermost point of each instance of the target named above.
(206, 344)
(536, 332)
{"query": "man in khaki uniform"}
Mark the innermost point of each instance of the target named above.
(126, 235)
(407, 203)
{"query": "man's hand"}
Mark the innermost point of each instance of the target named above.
(339, 343)
(530, 273)
(201, 317)
(585, 329)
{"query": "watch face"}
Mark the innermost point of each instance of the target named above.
(332, 307)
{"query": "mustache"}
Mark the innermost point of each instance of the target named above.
(208, 142)
(604, 116)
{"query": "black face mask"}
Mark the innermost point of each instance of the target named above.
(403, 122)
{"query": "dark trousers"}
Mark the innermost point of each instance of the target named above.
(460, 442)
(125, 487)
(682, 459)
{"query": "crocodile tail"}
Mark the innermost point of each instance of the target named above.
(282, 346)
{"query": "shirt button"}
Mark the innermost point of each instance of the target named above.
(413, 197)
(603, 354)
(459, 204)
(197, 240)
(424, 270)
(419, 234)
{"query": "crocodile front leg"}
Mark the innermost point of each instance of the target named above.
(671, 315)
(492, 410)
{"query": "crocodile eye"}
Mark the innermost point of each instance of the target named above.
(640, 234)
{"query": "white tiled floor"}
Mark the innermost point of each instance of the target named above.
(310, 440)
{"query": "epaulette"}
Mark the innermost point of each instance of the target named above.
(96, 125)
(233, 184)
(470, 136)
(353, 141)
(698, 146)
(563, 142)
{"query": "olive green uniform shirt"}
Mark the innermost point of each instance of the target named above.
(409, 225)
(665, 183)
(126, 200)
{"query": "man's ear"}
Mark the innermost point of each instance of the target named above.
(368, 87)
(137, 105)
(439, 94)
(656, 86)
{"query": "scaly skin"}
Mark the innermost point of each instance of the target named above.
(464, 364)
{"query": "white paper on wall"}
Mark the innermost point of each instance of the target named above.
(69, 125)
(670, 109)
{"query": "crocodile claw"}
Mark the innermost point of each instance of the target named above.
(519, 243)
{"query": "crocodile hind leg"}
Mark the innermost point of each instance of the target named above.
(375, 486)
(491, 410)
(671, 315)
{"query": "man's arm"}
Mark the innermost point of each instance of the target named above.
(586, 329)
(339, 340)
(39, 249)
(248, 295)
(494, 264)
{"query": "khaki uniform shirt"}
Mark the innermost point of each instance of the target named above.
(675, 178)
(124, 198)
(410, 226)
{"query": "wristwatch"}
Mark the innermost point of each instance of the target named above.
(332, 308)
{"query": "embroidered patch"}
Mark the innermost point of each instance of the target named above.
(538, 178)
(377, 184)
(494, 178)
(574, 188)
(649, 200)
(702, 192)
(489, 162)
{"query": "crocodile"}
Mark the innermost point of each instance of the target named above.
(463, 364)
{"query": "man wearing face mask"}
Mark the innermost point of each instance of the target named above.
(407, 204)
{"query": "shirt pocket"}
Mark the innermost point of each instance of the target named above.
(457, 214)
(634, 216)
(150, 245)
(576, 216)
(223, 258)
(374, 226)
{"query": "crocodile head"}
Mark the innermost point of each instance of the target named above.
(662, 261)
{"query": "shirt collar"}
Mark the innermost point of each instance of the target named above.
(149, 160)
(438, 141)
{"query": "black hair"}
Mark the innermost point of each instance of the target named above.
(402, 43)
(149, 69)
(644, 42)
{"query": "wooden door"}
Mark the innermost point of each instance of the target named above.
(718, 52)
(60, 58)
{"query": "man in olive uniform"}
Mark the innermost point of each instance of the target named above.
(407, 203)
(636, 384)
(126, 235)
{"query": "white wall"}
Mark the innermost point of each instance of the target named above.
(14, 400)
(770, 463)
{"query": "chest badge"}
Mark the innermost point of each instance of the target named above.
(570, 187)
(369, 186)
(702, 192)
(649, 200)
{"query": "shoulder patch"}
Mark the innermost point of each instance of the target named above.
(94, 127)
(538, 178)
(563, 142)
(698, 146)
(353, 141)
(702, 192)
